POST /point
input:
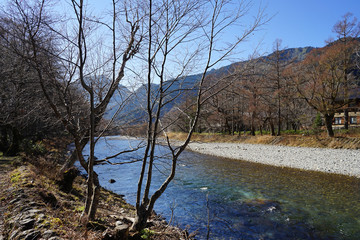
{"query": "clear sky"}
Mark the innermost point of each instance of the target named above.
(301, 23)
(298, 23)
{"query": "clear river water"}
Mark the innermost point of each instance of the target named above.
(233, 199)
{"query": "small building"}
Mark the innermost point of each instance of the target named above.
(353, 108)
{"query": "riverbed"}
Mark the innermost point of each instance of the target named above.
(234, 199)
(340, 161)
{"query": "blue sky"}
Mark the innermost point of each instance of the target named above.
(301, 23)
(298, 23)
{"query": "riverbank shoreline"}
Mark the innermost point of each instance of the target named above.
(34, 204)
(329, 155)
(337, 161)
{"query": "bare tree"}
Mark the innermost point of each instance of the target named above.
(220, 113)
(25, 117)
(72, 69)
(320, 81)
(276, 64)
(174, 25)
(346, 30)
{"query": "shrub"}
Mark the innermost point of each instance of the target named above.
(146, 233)
(33, 148)
(318, 122)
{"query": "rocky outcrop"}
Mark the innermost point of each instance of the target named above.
(28, 218)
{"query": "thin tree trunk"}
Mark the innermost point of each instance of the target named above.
(14, 146)
(346, 118)
(90, 206)
(252, 130)
(4, 144)
(95, 197)
(141, 211)
(70, 161)
(279, 119)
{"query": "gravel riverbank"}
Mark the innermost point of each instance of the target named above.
(340, 161)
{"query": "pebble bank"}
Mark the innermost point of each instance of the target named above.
(339, 161)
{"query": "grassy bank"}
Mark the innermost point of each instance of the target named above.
(33, 205)
(344, 139)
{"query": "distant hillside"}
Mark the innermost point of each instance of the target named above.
(119, 98)
(290, 54)
(135, 110)
(296, 54)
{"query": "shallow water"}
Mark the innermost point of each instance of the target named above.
(234, 199)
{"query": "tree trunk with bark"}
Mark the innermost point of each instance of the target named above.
(346, 118)
(95, 196)
(272, 128)
(328, 124)
(11, 140)
(141, 218)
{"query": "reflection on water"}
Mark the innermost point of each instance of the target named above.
(244, 200)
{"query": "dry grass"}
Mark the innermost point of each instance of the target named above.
(342, 140)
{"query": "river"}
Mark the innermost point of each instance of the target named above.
(232, 199)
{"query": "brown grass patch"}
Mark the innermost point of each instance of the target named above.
(350, 141)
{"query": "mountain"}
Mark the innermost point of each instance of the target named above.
(118, 99)
(296, 54)
(134, 111)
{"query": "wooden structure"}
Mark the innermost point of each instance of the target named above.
(353, 108)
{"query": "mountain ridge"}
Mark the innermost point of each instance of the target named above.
(135, 110)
